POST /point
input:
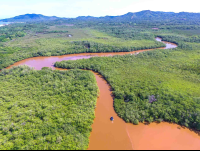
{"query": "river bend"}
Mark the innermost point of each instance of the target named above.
(119, 135)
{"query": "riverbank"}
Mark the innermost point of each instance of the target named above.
(49, 61)
(131, 77)
(118, 134)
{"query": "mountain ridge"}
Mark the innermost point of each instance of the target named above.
(29, 17)
(146, 15)
(130, 16)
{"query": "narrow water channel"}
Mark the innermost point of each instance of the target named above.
(107, 135)
(39, 62)
(118, 135)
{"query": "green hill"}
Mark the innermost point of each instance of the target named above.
(29, 17)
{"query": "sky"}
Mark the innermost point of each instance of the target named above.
(97, 8)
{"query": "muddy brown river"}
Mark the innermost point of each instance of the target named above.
(118, 135)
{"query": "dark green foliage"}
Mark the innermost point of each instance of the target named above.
(7, 34)
(176, 38)
(55, 31)
(93, 47)
(125, 31)
(46, 110)
(152, 86)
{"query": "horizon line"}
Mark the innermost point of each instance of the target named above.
(102, 16)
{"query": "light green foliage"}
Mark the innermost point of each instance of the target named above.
(54, 41)
(46, 110)
(171, 76)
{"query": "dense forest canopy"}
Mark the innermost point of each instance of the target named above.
(46, 110)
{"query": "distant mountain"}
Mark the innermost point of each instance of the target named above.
(141, 16)
(146, 15)
(29, 17)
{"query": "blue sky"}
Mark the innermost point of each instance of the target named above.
(74, 8)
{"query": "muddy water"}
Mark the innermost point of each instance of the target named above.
(169, 45)
(106, 134)
(39, 62)
(118, 134)
(163, 136)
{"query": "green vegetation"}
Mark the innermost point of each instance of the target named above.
(43, 40)
(161, 85)
(46, 110)
(55, 109)
(8, 33)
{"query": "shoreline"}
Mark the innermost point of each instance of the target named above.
(89, 55)
(119, 134)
